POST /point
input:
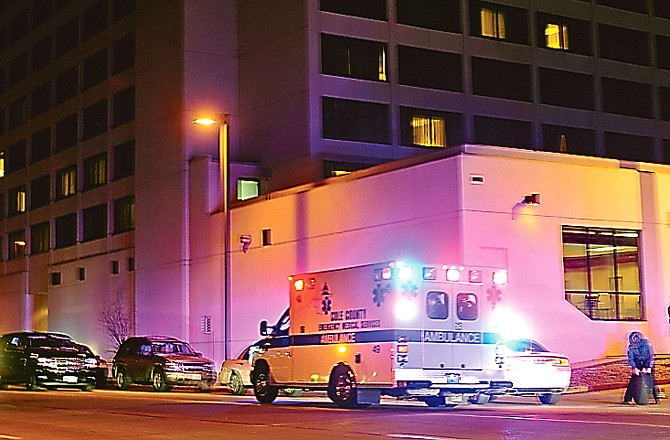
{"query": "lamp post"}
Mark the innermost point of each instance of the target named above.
(223, 121)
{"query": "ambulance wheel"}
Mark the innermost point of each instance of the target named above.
(264, 392)
(549, 399)
(433, 401)
(342, 387)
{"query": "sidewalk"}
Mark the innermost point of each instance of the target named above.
(612, 373)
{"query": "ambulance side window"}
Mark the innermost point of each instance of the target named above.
(467, 307)
(436, 305)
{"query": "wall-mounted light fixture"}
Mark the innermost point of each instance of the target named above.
(245, 240)
(532, 199)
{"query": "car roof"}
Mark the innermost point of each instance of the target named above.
(156, 338)
(38, 335)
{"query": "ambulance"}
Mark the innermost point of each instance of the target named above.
(395, 329)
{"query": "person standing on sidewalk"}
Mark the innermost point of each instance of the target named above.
(640, 356)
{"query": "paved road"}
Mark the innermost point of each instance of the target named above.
(142, 414)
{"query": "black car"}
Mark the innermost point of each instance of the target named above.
(48, 360)
(161, 362)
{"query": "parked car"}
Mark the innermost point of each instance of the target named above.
(235, 374)
(161, 361)
(47, 360)
(533, 371)
(101, 369)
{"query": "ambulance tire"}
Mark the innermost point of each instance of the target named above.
(433, 401)
(264, 392)
(342, 387)
(549, 398)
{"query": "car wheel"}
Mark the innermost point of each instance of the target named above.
(342, 387)
(31, 383)
(550, 398)
(121, 379)
(264, 392)
(292, 392)
(433, 401)
(158, 381)
(235, 384)
(88, 387)
(3, 386)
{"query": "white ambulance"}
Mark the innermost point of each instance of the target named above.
(393, 328)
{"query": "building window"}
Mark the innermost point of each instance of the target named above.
(124, 214)
(95, 119)
(602, 272)
(349, 120)
(247, 188)
(487, 80)
(41, 55)
(67, 84)
(662, 8)
(40, 236)
(66, 182)
(429, 68)
(627, 5)
(629, 147)
(40, 192)
(18, 112)
(663, 51)
(40, 99)
(374, 9)
(569, 140)
(336, 169)
(40, 145)
(17, 201)
(492, 23)
(556, 36)
(131, 264)
(267, 237)
(95, 171)
(429, 131)
(95, 222)
(66, 231)
(440, 15)
(566, 89)
(67, 37)
(499, 22)
(2, 164)
(55, 278)
(121, 8)
(16, 244)
(627, 98)
(613, 39)
(502, 132)
(94, 70)
(18, 69)
(664, 93)
(124, 160)
(124, 106)
(95, 19)
(124, 53)
(16, 157)
(115, 267)
(66, 133)
(81, 273)
(2, 206)
(353, 58)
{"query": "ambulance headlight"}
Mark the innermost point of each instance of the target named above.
(405, 309)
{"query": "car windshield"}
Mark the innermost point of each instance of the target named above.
(172, 347)
(522, 345)
(52, 342)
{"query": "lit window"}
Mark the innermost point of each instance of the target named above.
(95, 171)
(382, 64)
(2, 164)
(40, 238)
(247, 189)
(429, 131)
(66, 182)
(556, 36)
(493, 23)
(124, 214)
(17, 200)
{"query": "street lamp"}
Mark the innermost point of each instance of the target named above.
(223, 121)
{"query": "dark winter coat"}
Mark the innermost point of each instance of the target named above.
(640, 352)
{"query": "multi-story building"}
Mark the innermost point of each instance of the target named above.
(109, 194)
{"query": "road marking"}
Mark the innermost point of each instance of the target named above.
(581, 422)
(423, 437)
(10, 437)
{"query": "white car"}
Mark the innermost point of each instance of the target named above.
(532, 369)
(236, 374)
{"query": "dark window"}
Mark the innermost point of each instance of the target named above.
(94, 70)
(66, 133)
(124, 214)
(95, 171)
(16, 244)
(353, 58)
(437, 305)
(504, 132)
(566, 89)
(3, 83)
(66, 182)
(131, 264)
(67, 85)
(375, 9)
(81, 273)
(629, 147)
(2, 121)
(55, 278)
(95, 222)
(41, 99)
(66, 231)
(41, 12)
(664, 93)
(501, 79)
(627, 5)
(467, 306)
(124, 106)
(121, 8)
(40, 238)
(666, 158)
(564, 33)
(441, 15)
(602, 272)
(18, 112)
(40, 192)
(430, 128)
(626, 98)
(266, 237)
(124, 53)
(115, 267)
(67, 37)
(16, 201)
(662, 8)
(663, 51)
(40, 145)
(498, 22)
(2, 208)
(355, 121)
(124, 160)
(569, 140)
(16, 157)
(18, 27)
(625, 45)
(429, 68)
(62, 4)
(95, 19)
(41, 54)
(18, 69)
(95, 119)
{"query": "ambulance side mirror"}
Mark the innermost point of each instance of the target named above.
(264, 328)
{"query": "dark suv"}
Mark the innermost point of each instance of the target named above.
(161, 362)
(49, 360)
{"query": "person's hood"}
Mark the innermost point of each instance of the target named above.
(635, 338)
